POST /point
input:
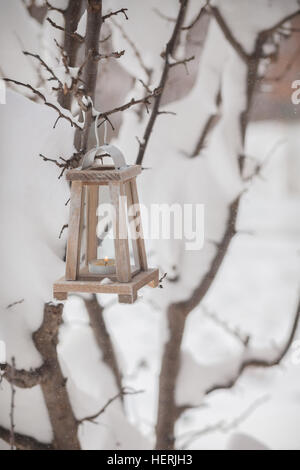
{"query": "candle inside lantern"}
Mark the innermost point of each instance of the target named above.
(102, 266)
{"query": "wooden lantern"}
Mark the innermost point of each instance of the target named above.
(85, 198)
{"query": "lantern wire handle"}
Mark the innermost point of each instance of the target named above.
(96, 131)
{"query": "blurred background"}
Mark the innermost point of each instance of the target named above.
(211, 359)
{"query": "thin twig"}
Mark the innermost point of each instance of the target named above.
(47, 103)
(52, 8)
(123, 392)
(114, 13)
(64, 227)
(76, 36)
(168, 53)
(15, 303)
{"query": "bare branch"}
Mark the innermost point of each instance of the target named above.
(235, 333)
(72, 162)
(132, 102)
(17, 302)
(43, 63)
(259, 362)
(60, 411)
(183, 62)
(93, 417)
(47, 103)
(74, 35)
(169, 52)
(115, 55)
(172, 113)
(222, 425)
(26, 378)
(196, 19)
(163, 16)
(114, 13)
(228, 34)
(52, 8)
(23, 442)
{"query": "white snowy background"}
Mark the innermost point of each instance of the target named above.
(256, 290)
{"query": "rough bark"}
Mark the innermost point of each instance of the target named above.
(92, 40)
(71, 45)
(63, 421)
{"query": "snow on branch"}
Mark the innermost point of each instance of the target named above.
(26, 378)
(115, 55)
(262, 36)
(222, 425)
(251, 360)
(23, 442)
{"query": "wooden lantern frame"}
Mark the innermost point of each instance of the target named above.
(85, 193)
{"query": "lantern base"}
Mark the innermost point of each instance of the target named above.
(127, 291)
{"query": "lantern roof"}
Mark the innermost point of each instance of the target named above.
(104, 174)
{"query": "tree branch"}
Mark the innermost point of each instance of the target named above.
(64, 424)
(114, 13)
(260, 362)
(73, 35)
(26, 378)
(169, 52)
(93, 417)
(47, 103)
(23, 442)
